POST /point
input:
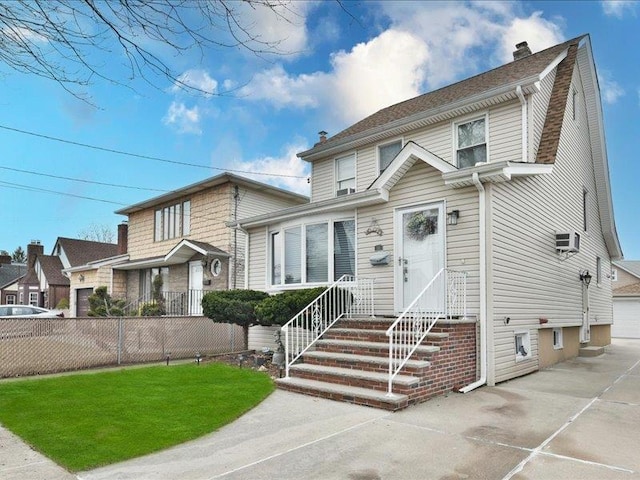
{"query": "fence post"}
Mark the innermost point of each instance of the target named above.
(120, 328)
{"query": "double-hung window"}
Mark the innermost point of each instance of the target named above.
(386, 154)
(172, 221)
(346, 173)
(471, 142)
(314, 253)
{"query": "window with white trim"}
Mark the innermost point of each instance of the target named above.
(313, 253)
(557, 338)
(10, 299)
(471, 142)
(598, 270)
(172, 221)
(614, 275)
(33, 298)
(585, 203)
(346, 172)
(386, 154)
(523, 346)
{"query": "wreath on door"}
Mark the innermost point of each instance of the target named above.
(421, 225)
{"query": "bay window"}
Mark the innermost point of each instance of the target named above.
(317, 252)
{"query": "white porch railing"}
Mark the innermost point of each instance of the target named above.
(445, 296)
(347, 296)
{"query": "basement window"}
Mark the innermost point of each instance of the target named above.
(557, 338)
(523, 346)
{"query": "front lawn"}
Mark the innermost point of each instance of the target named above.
(84, 421)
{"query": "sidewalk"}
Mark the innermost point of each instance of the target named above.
(577, 420)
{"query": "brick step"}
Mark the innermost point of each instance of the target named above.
(379, 349)
(344, 393)
(362, 362)
(366, 335)
(370, 323)
(352, 377)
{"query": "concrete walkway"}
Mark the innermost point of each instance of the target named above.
(577, 420)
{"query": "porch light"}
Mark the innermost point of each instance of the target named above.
(204, 262)
(585, 277)
(452, 217)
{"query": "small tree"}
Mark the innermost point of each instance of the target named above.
(102, 305)
(18, 255)
(233, 306)
(157, 306)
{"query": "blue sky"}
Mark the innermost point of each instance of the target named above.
(341, 68)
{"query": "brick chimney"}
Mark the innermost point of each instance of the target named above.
(5, 259)
(33, 249)
(323, 136)
(123, 238)
(522, 50)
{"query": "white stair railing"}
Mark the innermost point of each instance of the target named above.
(445, 296)
(347, 296)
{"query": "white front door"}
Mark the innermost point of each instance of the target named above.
(420, 252)
(196, 276)
(585, 332)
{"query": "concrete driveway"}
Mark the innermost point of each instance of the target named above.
(577, 420)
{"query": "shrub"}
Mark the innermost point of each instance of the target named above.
(279, 309)
(102, 305)
(63, 304)
(233, 306)
(151, 309)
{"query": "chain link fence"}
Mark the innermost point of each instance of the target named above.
(30, 346)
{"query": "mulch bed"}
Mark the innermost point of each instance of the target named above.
(249, 359)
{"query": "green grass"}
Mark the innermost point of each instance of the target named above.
(85, 421)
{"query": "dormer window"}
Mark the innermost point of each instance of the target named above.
(386, 154)
(346, 173)
(471, 142)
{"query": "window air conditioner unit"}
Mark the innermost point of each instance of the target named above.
(567, 242)
(345, 191)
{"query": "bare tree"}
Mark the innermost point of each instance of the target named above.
(55, 39)
(97, 233)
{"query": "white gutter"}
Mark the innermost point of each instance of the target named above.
(523, 102)
(483, 287)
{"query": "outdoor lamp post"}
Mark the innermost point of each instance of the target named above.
(585, 277)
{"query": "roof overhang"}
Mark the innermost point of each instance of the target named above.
(97, 264)
(179, 254)
(354, 200)
(495, 173)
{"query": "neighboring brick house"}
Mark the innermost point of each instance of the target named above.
(10, 274)
(484, 201)
(183, 237)
(625, 277)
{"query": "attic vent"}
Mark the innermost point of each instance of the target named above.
(522, 50)
(567, 242)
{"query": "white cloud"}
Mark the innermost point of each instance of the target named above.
(183, 119)
(288, 164)
(618, 8)
(538, 32)
(610, 90)
(283, 90)
(196, 80)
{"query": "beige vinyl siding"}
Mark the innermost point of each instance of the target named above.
(366, 167)
(505, 133)
(529, 281)
(539, 105)
(421, 184)
(322, 180)
(624, 278)
(258, 260)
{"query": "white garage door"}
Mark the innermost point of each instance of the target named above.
(626, 318)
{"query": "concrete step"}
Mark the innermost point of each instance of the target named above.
(369, 335)
(344, 393)
(352, 377)
(590, 351)
(362, 362)
(369, 348)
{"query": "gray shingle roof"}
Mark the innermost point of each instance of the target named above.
(632, 266)
(10, 272)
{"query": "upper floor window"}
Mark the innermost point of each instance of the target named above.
(584, 209)
(172, 221)
(614, 275)
(346, 173)
(598, 270)
(471, 143)
(386, 154)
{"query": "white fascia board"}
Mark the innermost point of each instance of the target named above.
(354, 200)
(137, 264)
(97, 264)
(507, 170)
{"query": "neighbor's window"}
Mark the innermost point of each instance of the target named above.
(386, 154)
(557, 338)
(598, 270)
(523, 346)
(614, 275)
(313, 253)
(346, 172)
(471, 143)
(33, 299)
(172, 221)
(11, 299)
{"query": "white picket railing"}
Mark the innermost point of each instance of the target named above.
(347, 296)
(445, 296)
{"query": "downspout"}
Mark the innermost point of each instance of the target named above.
(483, 286)
(525, 135)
